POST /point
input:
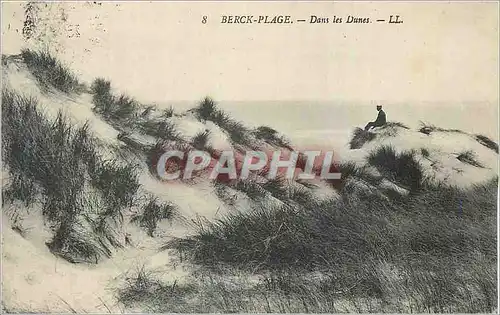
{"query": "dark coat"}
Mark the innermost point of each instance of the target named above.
(381, 119)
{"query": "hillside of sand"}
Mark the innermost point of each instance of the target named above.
(39, 276)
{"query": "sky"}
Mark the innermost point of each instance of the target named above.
(442, 52)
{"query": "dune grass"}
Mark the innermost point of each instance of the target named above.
(425, 152)
(395, 124)
(57, 163)
(162, 129)
(271, 136)
(350, 170)
(391, 129)
(153, 212)
(415, 255)
(360, 137)
(469, 157)
(427, 129)
(238, 134)
(200, 140)
(167, 113)
(487, 142)
(128, 115)
(402, 168)
(112, 108)
(49, 71)
(117, 184)
(290, 292)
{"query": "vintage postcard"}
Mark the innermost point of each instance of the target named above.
(249, 157)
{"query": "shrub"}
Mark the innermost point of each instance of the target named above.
(360, 137)
(51, 72)
(400, 167)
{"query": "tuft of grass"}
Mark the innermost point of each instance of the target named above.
(360, 137)
(391, 129)
(207, 109)
(112, 108)
(396, 124)
(155, 152)
(102, 97)
(400, 167)
(152, 213)
(251, 188)
(278, 187)
(143, 288)
(200, 140)
(162, 129)
(237, 132)
(271, 136)
(49, 71)
(434, 251)
(125, 107)
(21, 188)
(425, 152)
(147, 111)
(77, 244)
(117, 184)
(350, 170)
(487, 142)
(50, 154)
(133, 144)
(168, 113)
(429, 128)
(469, 157)
(55, 162)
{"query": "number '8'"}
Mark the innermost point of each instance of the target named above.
(204, 19)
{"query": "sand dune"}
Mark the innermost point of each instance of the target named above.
(36, 280)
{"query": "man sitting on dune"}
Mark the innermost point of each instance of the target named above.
(380, 121)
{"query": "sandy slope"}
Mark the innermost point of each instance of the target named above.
(36, 280)
(442, 162)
